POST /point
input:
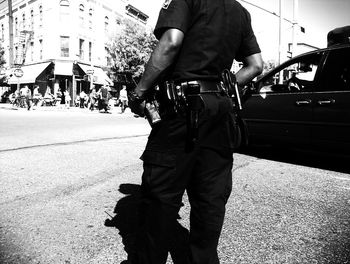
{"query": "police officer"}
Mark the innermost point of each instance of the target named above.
(198, 39)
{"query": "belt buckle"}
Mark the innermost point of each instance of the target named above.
(192, 88)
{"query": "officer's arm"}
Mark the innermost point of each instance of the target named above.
(252, 67)
(161, 58)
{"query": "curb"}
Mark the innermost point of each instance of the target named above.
(115, 110)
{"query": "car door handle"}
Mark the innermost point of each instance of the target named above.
(326, 102)
(303, 102)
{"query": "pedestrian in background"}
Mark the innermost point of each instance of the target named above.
(26, 97)
(198, 40)
(67, 98)
(49, 99)
(58, 97)
(93, 99)
(123, 98)
(104, 96)
(37, 96)
(83, 97)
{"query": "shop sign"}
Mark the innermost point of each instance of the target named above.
(18, 72)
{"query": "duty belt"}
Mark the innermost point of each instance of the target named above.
(186, 97)
(180, 93)
(175, 89)
(204, 86)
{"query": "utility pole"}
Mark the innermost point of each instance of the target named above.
(295, 26)
(280, 40)
(91, 72)
(280, 32)
(11, 58)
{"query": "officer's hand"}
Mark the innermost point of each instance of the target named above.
(136, 103)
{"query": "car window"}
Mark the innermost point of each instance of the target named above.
(336, 73)
(296, 76)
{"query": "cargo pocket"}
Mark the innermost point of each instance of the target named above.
(164, 159)
(158, 170)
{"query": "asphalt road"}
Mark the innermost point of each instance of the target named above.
(62, 172)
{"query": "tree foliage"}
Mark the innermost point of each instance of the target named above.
(269, 65)
(2, 57)
(131, 48)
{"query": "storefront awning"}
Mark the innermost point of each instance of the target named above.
(100, 77)
(30, 73)
(63, 68)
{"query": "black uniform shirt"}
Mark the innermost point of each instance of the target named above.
(216, 32)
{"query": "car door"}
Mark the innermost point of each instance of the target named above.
(281, 110)
(331, 102)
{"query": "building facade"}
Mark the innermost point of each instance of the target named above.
(276, 37)
(62, 44)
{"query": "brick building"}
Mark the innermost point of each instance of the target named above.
(60, 43)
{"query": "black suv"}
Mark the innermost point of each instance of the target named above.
(305, 102)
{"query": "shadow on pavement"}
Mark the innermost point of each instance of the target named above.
(315, 159)
(126, 218)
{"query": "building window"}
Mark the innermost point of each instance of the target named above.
(81, 49)
(81, 15)
(16, 26)
(2, 31)
(64, 10)
(106, 23)
(32, 19)
(41, 49)
(16, 53)
(64, 46)
(90, 18)
(23, 21)
(90, 51)
(32, 51)
(23, 53)
(107, 57)
(118, 21)
(41, 15)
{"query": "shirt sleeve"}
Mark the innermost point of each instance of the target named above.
(249, 43)
(174, 15)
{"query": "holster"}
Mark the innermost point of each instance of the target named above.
(195, 104)
(185, 99)
(230, 85)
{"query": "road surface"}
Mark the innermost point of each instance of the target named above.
(63, 172)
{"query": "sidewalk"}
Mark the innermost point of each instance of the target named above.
(62, 108)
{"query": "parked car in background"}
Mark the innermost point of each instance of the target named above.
(304, 102)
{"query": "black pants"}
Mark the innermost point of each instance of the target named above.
(205, 173)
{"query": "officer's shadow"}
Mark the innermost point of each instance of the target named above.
(126, 220)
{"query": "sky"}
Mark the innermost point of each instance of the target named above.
(318, 17)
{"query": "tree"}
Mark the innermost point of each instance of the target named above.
(131, 48)
(269, 65)
(2, 63)
(2, 57)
